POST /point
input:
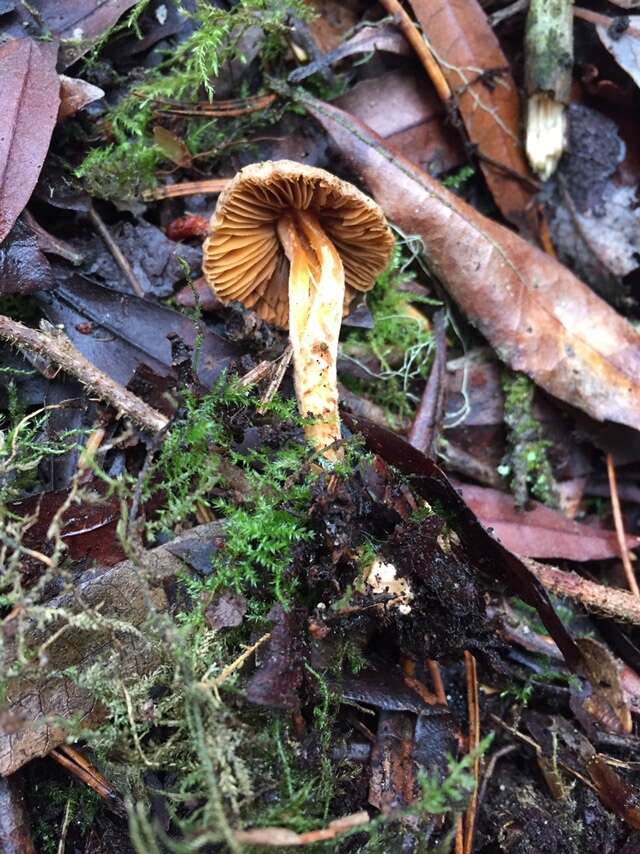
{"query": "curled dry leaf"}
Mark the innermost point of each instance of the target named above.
(540, 532)
(537, 315)
(478, 74)
(30, 97)
(76, 94)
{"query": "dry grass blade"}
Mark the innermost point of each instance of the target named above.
(619, 524)
(211, 186)
(473, 711)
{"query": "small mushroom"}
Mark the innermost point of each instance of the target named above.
(295, 243)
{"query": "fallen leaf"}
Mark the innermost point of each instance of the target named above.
(30, 97)
(536, 314)
(127, 331)
(78, 24)
(173, 148)
(23, 267)
(417, 126)
(540, 532)
(226, 612)
(76, 94)
(278, 681)
(478, 74)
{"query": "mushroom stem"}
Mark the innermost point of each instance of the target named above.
(316, 299)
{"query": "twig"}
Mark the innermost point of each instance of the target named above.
(55, 345)
(222, 677)
(220, 109)
(81, 768)
(282, 837)
(186, 188)
(424, 430)
(418, 43)
(115, 250)
(436, 678)
(280, 369)
(65, 827)
(473, 707)
(606, 601)
(502, 14)
(617, 519)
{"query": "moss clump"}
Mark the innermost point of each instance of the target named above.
(400, 341)
(127, 164)
(527, 460)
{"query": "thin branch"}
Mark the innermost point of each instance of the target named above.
(210, 186)
(55, 345)
(609, 602)
(617, 518)
(425, 428)
(417, 42)
(118, 255)
(473, 708)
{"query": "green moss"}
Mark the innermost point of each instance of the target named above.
(527, 462)
(127, 165)
(400, 341)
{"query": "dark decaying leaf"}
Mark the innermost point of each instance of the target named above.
(78, 24)
(30, 97)
(23, 267)
(537, 315)
(486, 94)
(384, 687)
(88, 530)
(430, 482)
(278, 680)
(15, 830)
(539, 531)
(226, 612)
(118, 332)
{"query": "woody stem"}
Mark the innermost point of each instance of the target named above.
(316, 298)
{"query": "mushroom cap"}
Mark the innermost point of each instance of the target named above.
(243, 258)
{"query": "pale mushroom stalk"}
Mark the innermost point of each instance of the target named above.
(316, 299)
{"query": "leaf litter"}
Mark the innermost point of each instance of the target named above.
(247, 646)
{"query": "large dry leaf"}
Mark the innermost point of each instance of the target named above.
(30, 96)
(540, 532)
(537, 315)
(478, 74)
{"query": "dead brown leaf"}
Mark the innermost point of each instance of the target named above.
(478, 74)
(536, 314)
(76, 94)
(30, 97)
(539, 532)
(416, 125)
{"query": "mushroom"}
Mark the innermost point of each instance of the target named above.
(295, 243)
